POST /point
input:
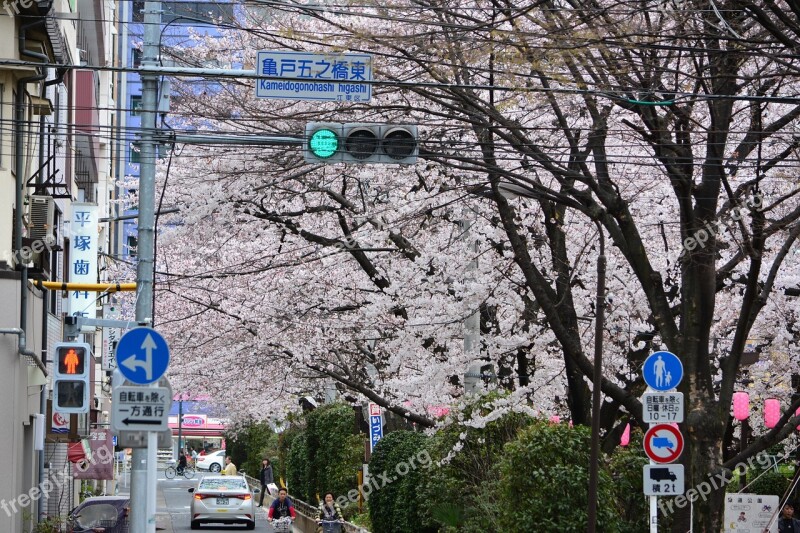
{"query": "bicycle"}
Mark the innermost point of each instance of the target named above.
(282, 525)
(331, 526)
(171, 471)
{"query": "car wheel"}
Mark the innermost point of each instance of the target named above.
(251, 525)
(195, 524)
(215, 467)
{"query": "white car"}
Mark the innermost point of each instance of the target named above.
(213, 462)
(224, 500)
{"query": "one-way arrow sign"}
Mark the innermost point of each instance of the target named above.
(128, 422)
(141, 408)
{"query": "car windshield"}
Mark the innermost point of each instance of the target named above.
(101, 515)
(223, 484)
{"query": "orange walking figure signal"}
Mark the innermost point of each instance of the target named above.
(71, 361)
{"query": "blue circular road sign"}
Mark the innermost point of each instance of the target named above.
(662, 371)
(142, 355)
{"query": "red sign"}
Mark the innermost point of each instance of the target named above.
(194, 421)
(100, 465)
(663, 443)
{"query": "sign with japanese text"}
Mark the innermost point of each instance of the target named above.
(141, 408)
(99, 463)
(111, 337)
(662, 407)
(663, 480)
(375, 425)
(751, 513)
(83, 249)
(309, 76)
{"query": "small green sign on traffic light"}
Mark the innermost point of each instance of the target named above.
(323, 143)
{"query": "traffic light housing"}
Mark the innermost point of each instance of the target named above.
(360, 143)
(71, 386)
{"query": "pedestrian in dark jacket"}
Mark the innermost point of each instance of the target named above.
(787, 523)
(266, 478)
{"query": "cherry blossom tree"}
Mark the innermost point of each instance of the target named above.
(663, 124)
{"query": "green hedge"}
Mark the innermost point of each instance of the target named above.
(325, 455)
(399, 457)
(543, 482)
(298, 467)
(459, 493)
(335, 450)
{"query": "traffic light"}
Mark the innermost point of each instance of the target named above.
(71, 387)
(327, 142)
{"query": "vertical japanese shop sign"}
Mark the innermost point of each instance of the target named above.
(83, 248)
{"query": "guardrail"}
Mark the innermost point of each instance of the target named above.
(307, 511)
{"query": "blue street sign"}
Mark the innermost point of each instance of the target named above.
(114, 440)
(662, 371)
(313, 76)
(142, 355)
(375, 425)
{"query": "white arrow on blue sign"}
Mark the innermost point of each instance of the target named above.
(662, 371)
(142, 355)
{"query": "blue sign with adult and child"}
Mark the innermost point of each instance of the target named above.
(662, 371)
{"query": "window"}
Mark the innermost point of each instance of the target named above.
(138, 10)
(209, 12)
(131, 245)
(136, 57)
(136, 104)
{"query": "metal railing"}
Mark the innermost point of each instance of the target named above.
(306, 509)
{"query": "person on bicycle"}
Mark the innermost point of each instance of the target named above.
(281, 507)
(181, 462)
(328, 510)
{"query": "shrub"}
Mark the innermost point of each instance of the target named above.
(298, 468)
(335, 450)
(459, 494)
(626, 471)
(543, 482)
(770, 483)
(394, 507)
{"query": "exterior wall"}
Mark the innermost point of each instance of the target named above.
(6, 162)
(20, 403)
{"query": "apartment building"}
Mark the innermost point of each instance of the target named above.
(55, 158)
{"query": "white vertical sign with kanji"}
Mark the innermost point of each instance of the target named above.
(83, 249)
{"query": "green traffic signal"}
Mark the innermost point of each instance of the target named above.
(323, 143)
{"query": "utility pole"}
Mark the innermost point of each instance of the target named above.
(597, 379)
(144, 460)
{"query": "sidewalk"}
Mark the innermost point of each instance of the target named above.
(163, 518)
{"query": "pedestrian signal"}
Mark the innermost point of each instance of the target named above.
(71, 387)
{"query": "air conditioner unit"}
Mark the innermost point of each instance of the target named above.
(40, 218)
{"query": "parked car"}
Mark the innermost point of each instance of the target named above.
(100, 513)
(213, 462)
(224, 500)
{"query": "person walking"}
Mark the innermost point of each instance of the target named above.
(230, 468)
(266, 478)
(787, 523)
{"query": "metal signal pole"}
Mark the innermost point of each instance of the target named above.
(143, 463)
